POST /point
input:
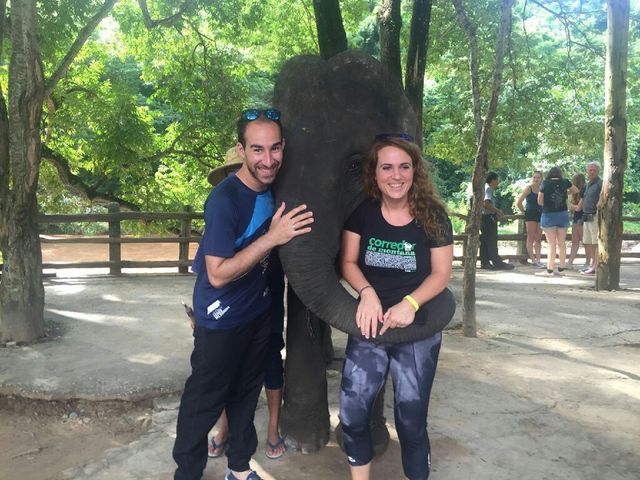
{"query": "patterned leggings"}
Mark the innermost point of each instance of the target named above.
(413, 367)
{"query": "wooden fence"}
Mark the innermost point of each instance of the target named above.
(115, 264)
(520, 239)
(114, 217)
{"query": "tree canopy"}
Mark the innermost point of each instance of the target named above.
(143, 113)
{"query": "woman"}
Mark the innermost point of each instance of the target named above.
(575, 206)
(532, 212)
(555, 216)
(397, 249)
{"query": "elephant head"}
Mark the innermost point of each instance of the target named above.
(331, 111)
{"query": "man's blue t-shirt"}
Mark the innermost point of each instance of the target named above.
(235, 216)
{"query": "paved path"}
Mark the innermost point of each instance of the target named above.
(550, 389)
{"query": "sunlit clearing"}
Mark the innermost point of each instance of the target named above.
(65, 289)
(94, 317)
(146, 358)
(111, 298)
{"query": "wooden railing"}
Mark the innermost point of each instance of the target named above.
(115, 240)
(115, 264)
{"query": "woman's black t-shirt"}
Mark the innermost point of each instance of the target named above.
(394, 260)
(555, 194)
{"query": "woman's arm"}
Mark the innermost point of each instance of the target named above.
(541, 199)
(403, 313)
(369, 311)
(521, 198)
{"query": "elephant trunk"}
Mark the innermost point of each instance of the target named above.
(311, 271)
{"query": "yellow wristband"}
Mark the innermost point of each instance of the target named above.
(412, 301)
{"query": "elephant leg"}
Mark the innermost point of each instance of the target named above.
(305, 412)
(377, 424)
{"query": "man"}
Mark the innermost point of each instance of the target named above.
(489, 258)
(590, 217)
(274, 371)
(232, 302)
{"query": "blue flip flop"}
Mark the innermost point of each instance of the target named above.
(252, 476)
(213, 446)
(275, 446)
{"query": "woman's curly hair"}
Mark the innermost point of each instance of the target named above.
(424, 201)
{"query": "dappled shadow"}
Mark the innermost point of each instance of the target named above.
(124, 337)
(564, 356)
(547, 390)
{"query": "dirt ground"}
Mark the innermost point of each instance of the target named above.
(39, 440)
(87, 252)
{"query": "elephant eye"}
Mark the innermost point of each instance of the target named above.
(354, 162)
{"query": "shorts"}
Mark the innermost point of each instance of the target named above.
(274, 370)
(577, 218)
(555, 219)
(590, 233)
(531, 215)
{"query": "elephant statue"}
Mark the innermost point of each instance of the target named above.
(331, 111)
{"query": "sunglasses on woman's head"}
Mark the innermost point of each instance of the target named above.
(252, 114)
(400, 135)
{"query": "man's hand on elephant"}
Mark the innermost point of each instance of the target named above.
(399, 316)
(285, 226)
(369, 313)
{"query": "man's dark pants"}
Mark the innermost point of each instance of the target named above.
(489, 241)
(227, 372)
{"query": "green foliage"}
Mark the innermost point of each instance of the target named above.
(144, 114)
(58, 24)
(551, 104)
(53, 196)
(631, 210)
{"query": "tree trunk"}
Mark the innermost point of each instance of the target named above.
(4, 124)
(331, 36)
(470, 30)
(482, 155)
(21, 290)
(615, 146)
(390, 21)
(471, 253)
(417, 58)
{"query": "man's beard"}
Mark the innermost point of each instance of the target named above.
(254, 172)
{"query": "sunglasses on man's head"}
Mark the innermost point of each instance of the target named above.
(252, 114)
(400, 135)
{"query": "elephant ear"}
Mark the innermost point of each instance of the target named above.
(331, 111)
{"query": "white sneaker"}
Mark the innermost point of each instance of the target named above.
(546, 273)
